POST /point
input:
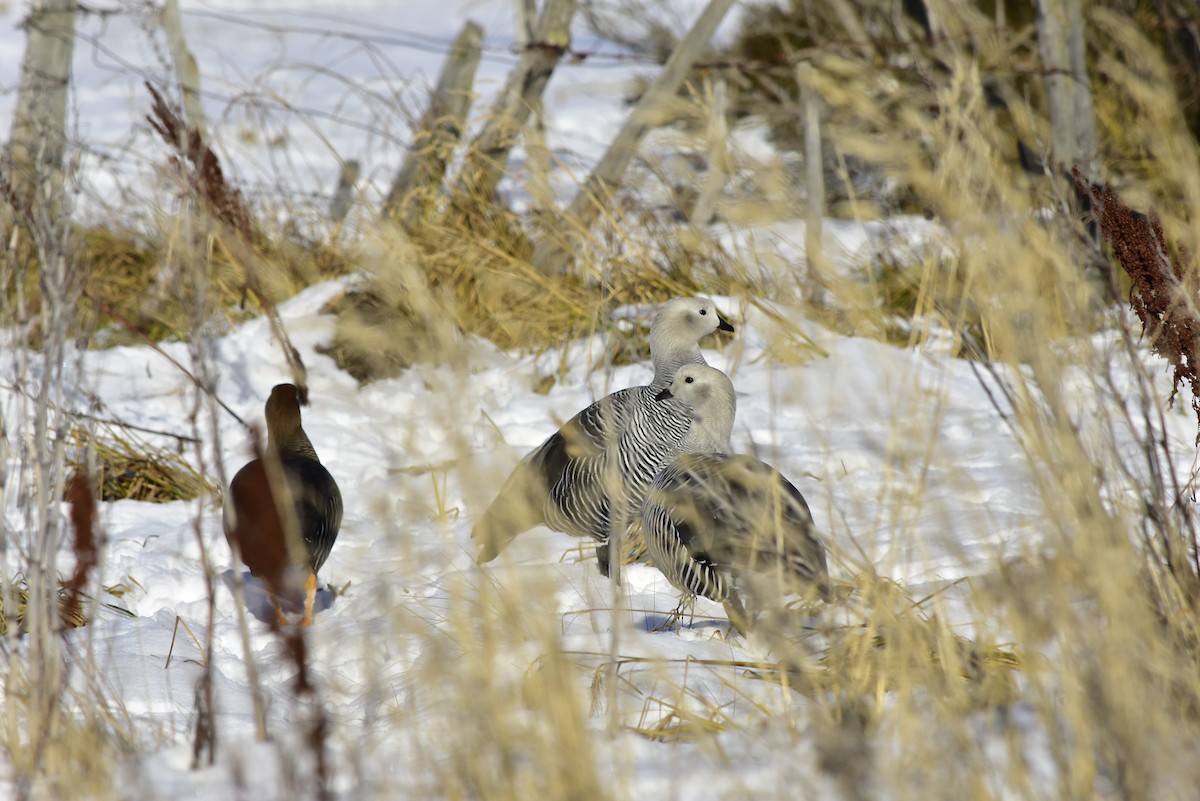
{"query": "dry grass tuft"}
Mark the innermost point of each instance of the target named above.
(73, 756)
(131, 469)
(468, 272)
(914, 652)
(130, 293)
(70, 612)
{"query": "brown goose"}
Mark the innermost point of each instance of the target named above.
(284, 509)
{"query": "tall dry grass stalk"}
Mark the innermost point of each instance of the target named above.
(1104, 627)
(1077, 677)
(47, 721)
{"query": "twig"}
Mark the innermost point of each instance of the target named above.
(116, 315)
(112, 422)
(178, 621)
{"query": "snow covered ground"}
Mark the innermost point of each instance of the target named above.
(294, 88)
(907, 465)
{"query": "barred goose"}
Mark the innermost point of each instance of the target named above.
(284, 493)
(718, 525)
(605, 456)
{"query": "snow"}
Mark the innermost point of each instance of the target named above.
(296, 88)
(830, 425)
(907, 465)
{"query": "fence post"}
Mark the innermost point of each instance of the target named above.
(185, 67)
(488, 153)
(37, 140)
(1072, 120)
(718, 154)
(1068, 89)
(439, 129)
(814, 219)
(554, 250)
(343, 196)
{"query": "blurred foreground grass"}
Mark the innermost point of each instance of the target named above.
(1068, 670)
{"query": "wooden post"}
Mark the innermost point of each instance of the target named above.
(814, 164)
(488, 153)
(1068, 89)
(343, 196)
(552, 252)
(718, 155)
(439, 129)
(526, 19)
(1073, 140)
(536, 151)
(38, 139)
(185, 67)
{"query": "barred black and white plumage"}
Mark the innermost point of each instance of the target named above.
(719, 525)
(287, 486)
(607, 454)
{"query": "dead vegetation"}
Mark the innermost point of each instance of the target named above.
(1089, 636)
(129, 468)
(1164, 292)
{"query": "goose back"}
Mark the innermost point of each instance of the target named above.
(712, 520)
(592, 473)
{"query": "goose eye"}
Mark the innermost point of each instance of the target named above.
(688, 380)
(704, 311)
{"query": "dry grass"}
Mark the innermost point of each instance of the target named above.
(130, 468)
(130, 294)
(1077, 674)
(137, 284)
(70, 614)
(468, 271)
(73, 755)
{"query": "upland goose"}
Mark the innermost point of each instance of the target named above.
(605, 456)
(719, 525)
(284, 509)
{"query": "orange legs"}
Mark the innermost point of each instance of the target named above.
(310, 594)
